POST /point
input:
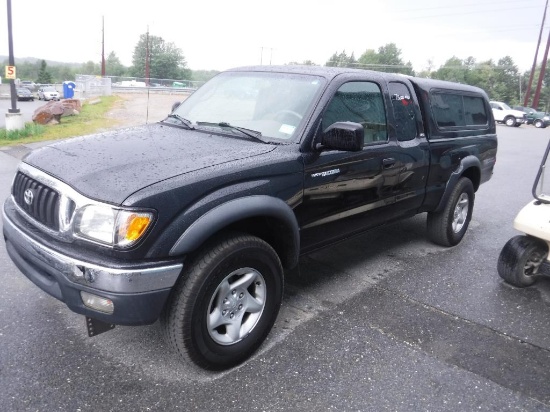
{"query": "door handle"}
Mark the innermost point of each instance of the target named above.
(387, 163)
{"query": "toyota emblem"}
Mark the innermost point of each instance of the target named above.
(28, 196)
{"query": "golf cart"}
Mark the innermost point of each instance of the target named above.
(525, 258)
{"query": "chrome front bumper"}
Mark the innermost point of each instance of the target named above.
(138, 293)
(89, 274)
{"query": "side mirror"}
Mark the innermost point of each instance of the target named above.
(344, 136)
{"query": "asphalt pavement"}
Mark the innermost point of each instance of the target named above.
(26, 109)
(384, 321)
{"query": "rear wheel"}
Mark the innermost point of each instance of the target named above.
(226, 302)
(510, 121)
(520, 259)
(447, 227)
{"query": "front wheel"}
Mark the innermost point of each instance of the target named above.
(510, 121)
(520, 259)
(448, 226)
(225, 303)
(538, 123)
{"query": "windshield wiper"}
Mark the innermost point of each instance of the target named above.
(183, 120)
(254, 134)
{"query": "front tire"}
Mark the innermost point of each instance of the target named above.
(520, 259)
(510, 121)
(538, 124)
(225, 303)
(448, 226)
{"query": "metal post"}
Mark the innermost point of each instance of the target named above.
(14, 108)
(519, 77)
(102, 46)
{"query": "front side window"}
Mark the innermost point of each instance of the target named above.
(274, 104)
(359, 102)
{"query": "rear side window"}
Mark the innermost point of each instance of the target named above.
(453, 109)
(403, 111)
(359, 102)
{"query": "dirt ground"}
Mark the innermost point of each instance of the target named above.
(141, 108)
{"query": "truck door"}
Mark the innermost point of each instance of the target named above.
(348, 192)
(412, 148)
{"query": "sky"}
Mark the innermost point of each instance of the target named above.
(217, 35)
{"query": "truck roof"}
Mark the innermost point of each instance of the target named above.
(331, 72)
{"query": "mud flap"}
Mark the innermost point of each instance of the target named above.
(96, 327)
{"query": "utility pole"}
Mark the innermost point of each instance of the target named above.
(14, 119)
(541, 75)
(102, 46)
(147, 59)
(11, 60)
(533, 69)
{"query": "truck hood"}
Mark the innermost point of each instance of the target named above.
(111, 166)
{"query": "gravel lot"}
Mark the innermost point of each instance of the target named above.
(140, 108)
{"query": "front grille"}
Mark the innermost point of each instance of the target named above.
(37, 200)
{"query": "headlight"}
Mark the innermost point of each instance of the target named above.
(110, 226)
(546, 118)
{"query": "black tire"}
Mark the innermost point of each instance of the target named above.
(233, 287)
(538, 123)
(510, 121)
(448, 226)
(520, 259)
(517, 125)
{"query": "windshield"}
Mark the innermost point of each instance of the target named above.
(273, 104)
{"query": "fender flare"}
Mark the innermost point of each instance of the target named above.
(466, 163)
(238, 209)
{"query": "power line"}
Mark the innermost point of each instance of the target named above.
(462, 5)
(468, 13)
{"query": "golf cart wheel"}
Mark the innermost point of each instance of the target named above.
(520, 260)
(225, 303)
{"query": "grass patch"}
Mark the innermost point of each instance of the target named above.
(91, 119)
(31, 131)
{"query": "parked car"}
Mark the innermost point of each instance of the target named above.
(48, 93)
(505, 114)
(24, 94)
(28, 84)
(534, 117)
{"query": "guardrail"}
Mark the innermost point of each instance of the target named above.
(156, 89)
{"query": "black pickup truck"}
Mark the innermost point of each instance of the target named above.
(193, 220)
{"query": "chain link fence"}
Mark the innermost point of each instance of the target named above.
(88, 86)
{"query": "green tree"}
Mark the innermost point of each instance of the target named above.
(386, 59)
(113, 66)
(44, 76)
(507, 80)
(166, 61)
(90, 68)
(341, 60)
(304, 63)
(452, 70)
